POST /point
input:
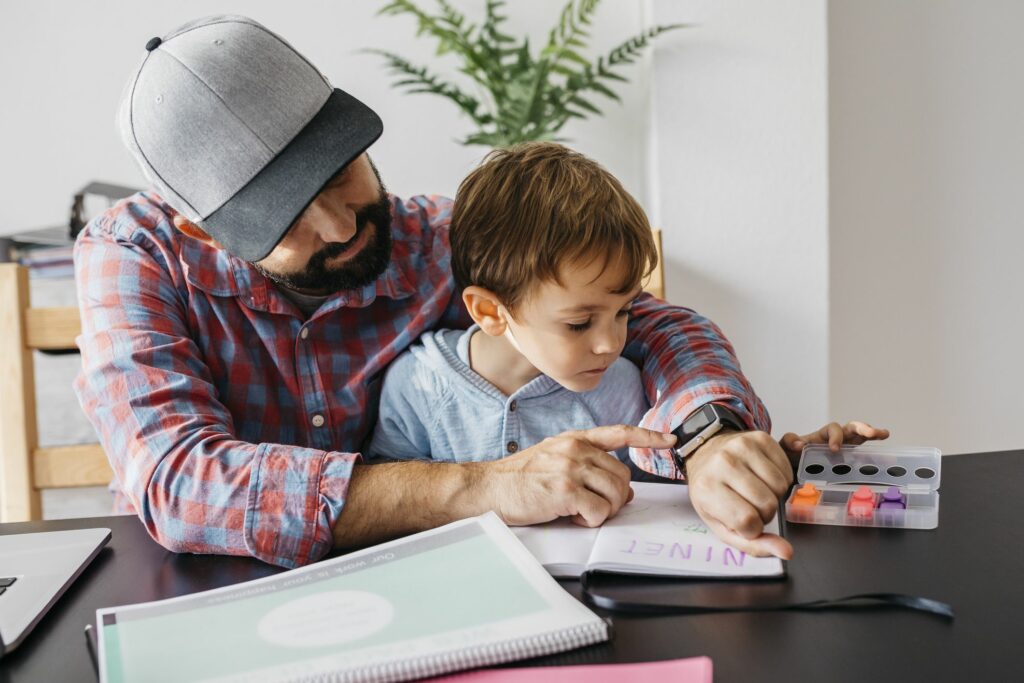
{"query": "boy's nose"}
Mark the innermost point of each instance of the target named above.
(609, 342)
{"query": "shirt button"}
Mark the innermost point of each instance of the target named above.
(318, 420)
(512, 446)
(512, 407)
(304, 333)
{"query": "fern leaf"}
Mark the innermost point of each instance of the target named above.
(584, 104)
(419, 80)
(604, 90)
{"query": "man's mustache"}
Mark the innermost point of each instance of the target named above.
(338, 248)
(363, 217)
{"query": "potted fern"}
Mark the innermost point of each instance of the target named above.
(519, 95)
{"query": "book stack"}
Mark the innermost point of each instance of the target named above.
(46, 261)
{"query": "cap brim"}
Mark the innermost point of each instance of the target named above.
(254, 220)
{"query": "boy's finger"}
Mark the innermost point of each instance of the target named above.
(865, 429)
(614, 437)
(791, 442)
(856, 429)
(814, 438)
(861, 429)
(856, 433)
(835, 435)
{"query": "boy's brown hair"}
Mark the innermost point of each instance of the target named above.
(529, 209)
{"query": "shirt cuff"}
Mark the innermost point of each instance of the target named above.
(295, 497)
(668, 415)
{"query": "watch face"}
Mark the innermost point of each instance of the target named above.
(699, 420)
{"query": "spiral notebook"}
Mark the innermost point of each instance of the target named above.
(463, 595)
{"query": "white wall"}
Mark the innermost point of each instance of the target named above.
(739, 114)
(927, 219)
(63, 65)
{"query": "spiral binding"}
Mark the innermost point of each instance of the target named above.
(470, 658)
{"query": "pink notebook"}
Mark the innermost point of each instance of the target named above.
(691, 670)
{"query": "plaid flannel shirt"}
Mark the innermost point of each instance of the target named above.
(232, 422)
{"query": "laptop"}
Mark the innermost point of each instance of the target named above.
(35, 570)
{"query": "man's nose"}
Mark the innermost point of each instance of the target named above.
(333, 221)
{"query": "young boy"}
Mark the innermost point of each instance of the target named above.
(550, 251)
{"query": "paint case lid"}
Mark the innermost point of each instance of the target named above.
(912, 468)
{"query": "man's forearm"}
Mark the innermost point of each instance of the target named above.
(396, 499)
(686, 361)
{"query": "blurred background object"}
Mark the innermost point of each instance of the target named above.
(47, 252)
(94, 199)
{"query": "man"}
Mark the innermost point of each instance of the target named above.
(237, 319)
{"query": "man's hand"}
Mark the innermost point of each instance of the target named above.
(569, 475)
(735, 481)
(835, 435)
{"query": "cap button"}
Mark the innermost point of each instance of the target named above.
(153, 44)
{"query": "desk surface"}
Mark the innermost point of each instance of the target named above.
(974, 560)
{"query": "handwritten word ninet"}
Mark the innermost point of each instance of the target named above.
(684, 552)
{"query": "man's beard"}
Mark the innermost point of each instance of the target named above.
(358, 271)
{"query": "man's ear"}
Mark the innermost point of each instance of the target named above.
(483, 306)
(195, 232)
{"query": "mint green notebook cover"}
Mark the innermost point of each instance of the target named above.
(464, 595)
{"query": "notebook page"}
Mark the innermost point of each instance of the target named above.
(659, 533)
(561, 546)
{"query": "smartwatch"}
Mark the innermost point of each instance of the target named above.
(700, 426)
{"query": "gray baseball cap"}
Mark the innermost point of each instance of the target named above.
(237, 131)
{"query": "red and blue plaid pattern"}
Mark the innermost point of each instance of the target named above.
(232, 423)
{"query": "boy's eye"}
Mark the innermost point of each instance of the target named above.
(579, 327)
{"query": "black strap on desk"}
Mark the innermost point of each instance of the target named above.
(862, 600)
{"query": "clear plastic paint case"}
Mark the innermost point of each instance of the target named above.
(870, 485)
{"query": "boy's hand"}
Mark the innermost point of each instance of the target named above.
(735, 481)
(569, 475)
(835, 435)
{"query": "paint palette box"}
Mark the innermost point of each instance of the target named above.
(870, 485)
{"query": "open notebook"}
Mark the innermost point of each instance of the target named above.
(463, 595)
(658, 533)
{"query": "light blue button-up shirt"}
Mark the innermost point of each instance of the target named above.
(435, 407)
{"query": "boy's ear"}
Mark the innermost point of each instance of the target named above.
(194, 231)
(483, 307)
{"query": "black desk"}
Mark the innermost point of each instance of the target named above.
(974, 560)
